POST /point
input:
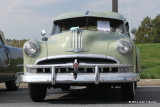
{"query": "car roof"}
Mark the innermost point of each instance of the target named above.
(111, 15)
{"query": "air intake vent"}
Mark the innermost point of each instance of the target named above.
(80, 60)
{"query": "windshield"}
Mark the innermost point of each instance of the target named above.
(89, 23)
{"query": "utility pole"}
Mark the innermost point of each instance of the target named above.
(115, 6)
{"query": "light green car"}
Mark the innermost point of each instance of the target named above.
(91, 49)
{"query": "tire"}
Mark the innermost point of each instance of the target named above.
(37, 92)
(12, 85)
(135, 85)
(128, 91)
(65, 88)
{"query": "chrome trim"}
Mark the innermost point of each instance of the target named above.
(130, 48)
(73, 39)
(81, 78)
(85, 69)
(104, 65)
(96, 78)
(110, 69)
(77, 50)
(84, 65)
(101, 69)
(39, 60)
(53, 76)
(97, 75)
(43, 70)
(49, 66)
(76, 42)
(81, 45)
(37, 47)
(67, 70)
(78, 56)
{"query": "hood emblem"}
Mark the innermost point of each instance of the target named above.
(76, 42)
(75, 66)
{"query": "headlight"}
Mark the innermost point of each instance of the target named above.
(124, 47)
(31, 48)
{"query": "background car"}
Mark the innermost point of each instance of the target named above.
(10, 59)
(91, 49)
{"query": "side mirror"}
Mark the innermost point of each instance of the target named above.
(133, 31)
(44, 39)
(43, 32)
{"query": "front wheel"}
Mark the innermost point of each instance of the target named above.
(37, 92)
(12, 85)
(128, 91)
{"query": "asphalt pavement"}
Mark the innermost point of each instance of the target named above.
(146, 96)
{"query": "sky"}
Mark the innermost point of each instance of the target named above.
(24, 19)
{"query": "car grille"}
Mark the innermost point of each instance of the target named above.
(79, 60)
(80, 70)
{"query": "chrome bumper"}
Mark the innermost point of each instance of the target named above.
(96, 77)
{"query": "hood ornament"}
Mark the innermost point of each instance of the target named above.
(75, 66)
(76, 42)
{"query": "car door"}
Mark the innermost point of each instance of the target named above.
(3, 55)
(4, 60)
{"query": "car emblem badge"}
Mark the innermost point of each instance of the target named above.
(75, 66)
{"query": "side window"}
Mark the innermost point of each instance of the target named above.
(56, 30)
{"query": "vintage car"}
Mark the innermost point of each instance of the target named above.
(91, 49)
(10, 58)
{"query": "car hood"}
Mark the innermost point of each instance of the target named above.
(80, 42)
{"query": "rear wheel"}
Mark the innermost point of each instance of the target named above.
(12, 85)
(128, 91)
(37, 92)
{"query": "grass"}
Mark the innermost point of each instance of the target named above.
(150, 60)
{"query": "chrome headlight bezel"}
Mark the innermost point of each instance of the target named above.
(31, 46)
(124, 47)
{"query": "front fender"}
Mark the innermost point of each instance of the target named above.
(129, 58)
(138, 68)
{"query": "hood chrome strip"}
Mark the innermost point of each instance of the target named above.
(76, 42)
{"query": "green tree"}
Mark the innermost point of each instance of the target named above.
(156, 30)
(144, 32)
(16, 43)
(149, 30)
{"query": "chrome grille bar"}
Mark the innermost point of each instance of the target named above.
(76, 39)
(84, 65)
(53, 76)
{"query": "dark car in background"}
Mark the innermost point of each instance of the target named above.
(10, 60)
